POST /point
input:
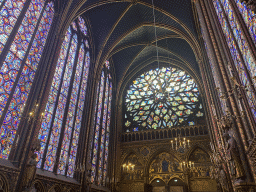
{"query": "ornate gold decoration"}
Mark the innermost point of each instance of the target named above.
(9, 178)
(3, 184)
(180, 144)
(203, 185)
(252, 154)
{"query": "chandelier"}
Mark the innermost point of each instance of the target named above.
(190, 165)
(128, 167)
(180, 144)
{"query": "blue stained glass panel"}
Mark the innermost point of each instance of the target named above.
(45, 127)
(249, 18)
(235, 55)
(74, 144)
(71, 113)
(26, 77)
(57, 124)
(98, 119)
(8, 17)
(107, 133)
(82, 26)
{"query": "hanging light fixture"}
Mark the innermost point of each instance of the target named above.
(180, 144)
(187, 165)
(128, 167)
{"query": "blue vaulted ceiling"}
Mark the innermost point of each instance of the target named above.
(124, 32)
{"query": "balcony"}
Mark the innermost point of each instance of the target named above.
(167, 133)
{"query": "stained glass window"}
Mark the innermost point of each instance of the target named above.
(162, 98)
(102, 127)
(61, 125)
(20, 57)
(231, 28)
(239, 36)
(249, 18)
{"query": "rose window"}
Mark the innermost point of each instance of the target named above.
(163, 98)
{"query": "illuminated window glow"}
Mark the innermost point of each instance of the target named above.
(61, 125)
(162, 98)
(102, 127)
(20, 57)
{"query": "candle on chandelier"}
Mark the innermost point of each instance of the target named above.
(124, 165)
(172, 143)
(176, 143)
(188, 143)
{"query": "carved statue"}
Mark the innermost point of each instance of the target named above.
(212, 173)
(223, 179)
(30, 172)
(233, 157)
(226, 123)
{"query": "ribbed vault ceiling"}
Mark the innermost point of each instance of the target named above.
(123, 31)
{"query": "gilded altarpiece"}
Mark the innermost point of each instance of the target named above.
(165, 166)
(156, 160)
(199, 177)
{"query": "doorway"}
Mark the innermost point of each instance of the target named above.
(158, 185)
(176, 185)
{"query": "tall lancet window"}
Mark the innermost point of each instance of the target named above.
(101, 127)
(24, 27)
(61, 125)
(243, 57)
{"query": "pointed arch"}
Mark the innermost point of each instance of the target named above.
(61, 124)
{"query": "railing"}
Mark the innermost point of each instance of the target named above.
(164, 133)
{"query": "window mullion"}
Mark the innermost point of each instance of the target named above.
(76, 110)
(66, 109)
(56, 104)
(241, 56)
(106, 124)
(21, 68)
(238, 48)
(12, 35)
(95, 121)
(101, 125)
(100, 130)
(2, 4)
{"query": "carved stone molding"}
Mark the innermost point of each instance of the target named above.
(245, 187)
(252, 154)
(11, 175)
(50, 183)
